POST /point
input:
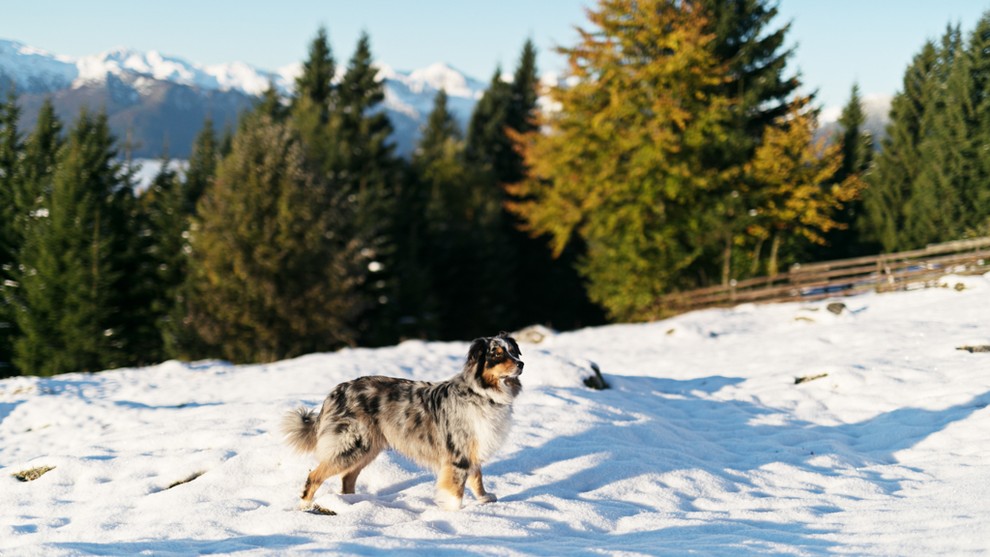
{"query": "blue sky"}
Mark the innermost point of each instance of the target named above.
(838, 41)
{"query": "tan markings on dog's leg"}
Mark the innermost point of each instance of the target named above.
(450, 487)
(477, 487)
(315, 479)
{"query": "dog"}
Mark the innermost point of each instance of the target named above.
(450, 427)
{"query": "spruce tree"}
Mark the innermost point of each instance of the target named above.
(274, 275)
(977, 195)
(363, 168)
(41, 154)
(315, 83)
(434, 220)
(68, 315)
(745, 39)
(934, 211)
(35, 175)
(11, 213)
(11, 151)
(159, 276)
(202, 165)
(488, 147)
(315, 98)
(271, 103)
(857, 154)
(899, 162)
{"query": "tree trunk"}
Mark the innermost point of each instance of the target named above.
(774, 248)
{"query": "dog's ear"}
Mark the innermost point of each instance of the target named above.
(511, 342)
(515, 345)
(477, 351)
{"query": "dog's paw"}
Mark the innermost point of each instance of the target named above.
(487, 498)
(313, 508)
(448, 501)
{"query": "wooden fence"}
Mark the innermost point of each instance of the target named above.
(845, 277)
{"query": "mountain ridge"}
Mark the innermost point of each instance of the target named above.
(159, 101)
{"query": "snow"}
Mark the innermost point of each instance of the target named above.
(31, 67)
(146, 170)
(704, 444)
(409, 95)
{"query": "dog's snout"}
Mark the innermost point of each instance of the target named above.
(519, 365)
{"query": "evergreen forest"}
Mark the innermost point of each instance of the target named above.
(677, 153)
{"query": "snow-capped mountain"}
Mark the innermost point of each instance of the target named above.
(161, 100)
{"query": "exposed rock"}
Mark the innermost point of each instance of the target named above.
(33, 473)
(806, 378)
(595, 381)
(836, 307)
(534, 334)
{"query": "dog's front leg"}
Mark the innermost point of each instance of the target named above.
(450, 486)
(474, 482)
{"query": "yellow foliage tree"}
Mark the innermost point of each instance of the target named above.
(798, 195)
(620, 165)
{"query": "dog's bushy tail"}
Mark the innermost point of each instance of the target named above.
(299, 427)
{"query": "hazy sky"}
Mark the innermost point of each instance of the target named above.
(838, 41)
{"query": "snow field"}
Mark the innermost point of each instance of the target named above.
(704, 444)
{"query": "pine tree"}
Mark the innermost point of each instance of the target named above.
(488, 147)
(41, 154)
(68, 315)
(161, 264)
(36, 169)
(434, 219)
(933, 211)
(857, 155)
(274, 275)
(271, 104)
(622, 167)
(11, 151)
(363, 168)
(756, 62)
(315, 83)
(202, 166)
(11, 212)
(524, 91)
(899, 161)
(977, 194)
(315, 98)
(137, 290)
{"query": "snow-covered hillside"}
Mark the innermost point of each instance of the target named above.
(704, 445)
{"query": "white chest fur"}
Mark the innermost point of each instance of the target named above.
(491, 427)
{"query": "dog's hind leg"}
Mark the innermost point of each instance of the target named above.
(315, 479)
(350, 476)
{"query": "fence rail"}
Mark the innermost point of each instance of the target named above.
(844, 277)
